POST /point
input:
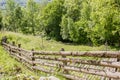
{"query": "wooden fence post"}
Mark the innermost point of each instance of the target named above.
(33, 59)
(10, 50)
(106, 48)
(13, 43)
(19, 46)
(64, 62)
(4, 39)
(117, 69)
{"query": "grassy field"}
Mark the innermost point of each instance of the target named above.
(10, 69)
(36, 42)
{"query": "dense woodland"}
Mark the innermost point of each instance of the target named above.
(92, 22)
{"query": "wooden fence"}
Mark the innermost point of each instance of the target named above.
(87, 65)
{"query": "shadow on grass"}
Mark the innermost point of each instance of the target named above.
(117, 48)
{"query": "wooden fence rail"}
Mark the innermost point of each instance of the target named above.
(72, 65)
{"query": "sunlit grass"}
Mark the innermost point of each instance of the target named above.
(9, 66)
(38, 43)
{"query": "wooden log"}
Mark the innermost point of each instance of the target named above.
(104, 54)
(16, 48)
(27, 55)
(89, 62)
(24, 59)
(64, 75)
(29, 66)
(46, 64)
(55, 63)
(19, 50)
(15, 57)
(114, 75)
(42, 69)
(88, 70)
(101, 54)
(109, 64)
(71, 77)
(4, 44)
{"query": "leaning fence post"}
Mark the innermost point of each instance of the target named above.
(64, 62)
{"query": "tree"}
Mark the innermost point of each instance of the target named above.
(18, 15)
(72, 26)
(64, 28)
(51, 18)
(78, 21)
(29, 17)
(9, 16)
(1, 25)
(102, 22)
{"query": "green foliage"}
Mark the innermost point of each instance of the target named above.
(28, 23)
(51, 18)
(72, 25)
(1, 25)
(9, 15)
(78, 21)
(18, 14)
(102, 18)
(64, 28)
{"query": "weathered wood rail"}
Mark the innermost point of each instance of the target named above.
(100, 65)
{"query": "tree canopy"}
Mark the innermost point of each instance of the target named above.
(78, 21)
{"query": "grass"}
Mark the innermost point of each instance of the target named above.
(36, 42)
(9, 65)
(10, 68)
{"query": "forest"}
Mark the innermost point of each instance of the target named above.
(88, 22)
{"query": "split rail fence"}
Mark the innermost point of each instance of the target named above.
(87, 65)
